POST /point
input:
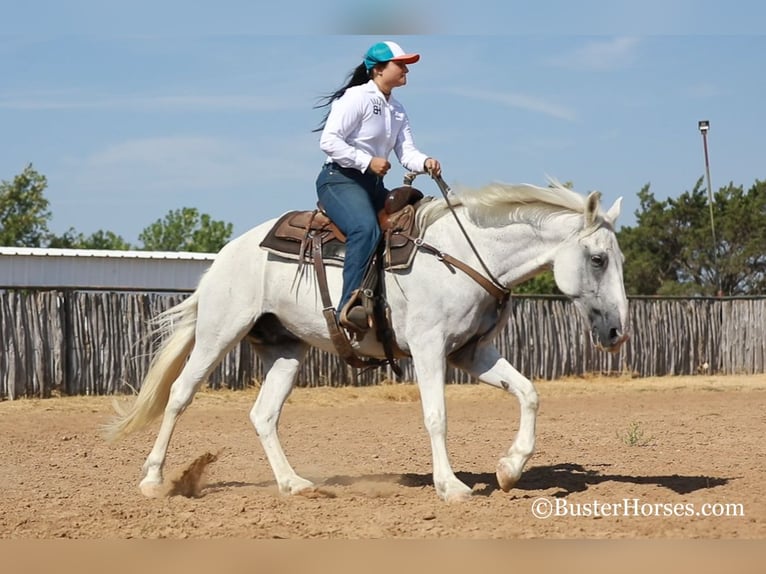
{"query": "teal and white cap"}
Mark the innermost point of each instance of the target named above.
(387, 52)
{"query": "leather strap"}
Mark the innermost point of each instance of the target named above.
(304, 248)
(337, 335)
(498, 293)
(380, 315)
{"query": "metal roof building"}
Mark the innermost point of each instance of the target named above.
(101, 269)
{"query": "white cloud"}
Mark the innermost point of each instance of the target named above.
(178, 165)
(704, 90)
(125, 186)
(599, 55)
(521, 101)
(160, 165)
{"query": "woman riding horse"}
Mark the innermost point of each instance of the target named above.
(364, 124)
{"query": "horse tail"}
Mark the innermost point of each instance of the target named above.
(176, 327)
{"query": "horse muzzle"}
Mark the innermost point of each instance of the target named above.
(614, 343)
(608, 330)
(608, 339)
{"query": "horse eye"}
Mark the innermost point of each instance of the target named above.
(597, 260)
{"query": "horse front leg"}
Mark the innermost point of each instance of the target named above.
(430, 368)
(486, 364)
(281, 364)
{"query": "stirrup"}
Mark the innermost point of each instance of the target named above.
(354, 318)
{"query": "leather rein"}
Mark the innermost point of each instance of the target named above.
(490, 284)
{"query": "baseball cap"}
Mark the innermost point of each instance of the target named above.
(387, 52)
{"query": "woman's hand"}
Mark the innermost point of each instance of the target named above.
(379, 166)
(433, 167)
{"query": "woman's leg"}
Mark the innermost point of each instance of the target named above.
(349, 205)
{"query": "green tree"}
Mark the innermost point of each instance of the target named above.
(741, 248)
(24, 211)
(542, 284)
(648, 248)
(186, 230)
(101, 239)
(671, 250)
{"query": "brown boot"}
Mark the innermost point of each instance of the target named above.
(355, 319)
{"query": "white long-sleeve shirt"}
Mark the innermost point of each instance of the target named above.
(362, 124)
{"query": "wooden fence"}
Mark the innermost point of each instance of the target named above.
(93, 343)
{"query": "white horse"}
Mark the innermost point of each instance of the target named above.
(440, 316)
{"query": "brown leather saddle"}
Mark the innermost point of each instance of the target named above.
(292, 235)
(310, 236)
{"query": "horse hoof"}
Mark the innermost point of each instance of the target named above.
(506, 477)
(297, 486)
(458, 497)
(453, 491)
(152, 489)
(316, 492)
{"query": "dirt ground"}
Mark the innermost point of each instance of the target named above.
(616, 458)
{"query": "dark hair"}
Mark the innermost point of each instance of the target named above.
(358, 76)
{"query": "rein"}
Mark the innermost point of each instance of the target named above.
(491, 285)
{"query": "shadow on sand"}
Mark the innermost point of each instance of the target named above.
(566, 477)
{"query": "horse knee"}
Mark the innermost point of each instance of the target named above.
(180, 398)
(263, 423)
(435, 422)
(526, 393)
(532, 398)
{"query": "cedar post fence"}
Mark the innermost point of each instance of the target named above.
(81, 342)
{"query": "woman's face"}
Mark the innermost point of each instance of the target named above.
(394, 74)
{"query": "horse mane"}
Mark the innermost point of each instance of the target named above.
(499, 204)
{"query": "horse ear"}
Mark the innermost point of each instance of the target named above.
(614, 211)
(591, 207)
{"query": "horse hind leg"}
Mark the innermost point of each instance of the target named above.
(281, 362)
(209, 349)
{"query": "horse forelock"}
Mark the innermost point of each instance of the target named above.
(500, 204)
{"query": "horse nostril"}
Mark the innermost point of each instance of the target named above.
(614, 334)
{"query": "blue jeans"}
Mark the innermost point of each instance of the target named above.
(352, 200)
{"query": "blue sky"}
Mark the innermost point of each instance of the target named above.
(134, 109)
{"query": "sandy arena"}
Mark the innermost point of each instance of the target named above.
(616, 458)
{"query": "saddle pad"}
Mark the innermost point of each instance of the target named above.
(289, 240)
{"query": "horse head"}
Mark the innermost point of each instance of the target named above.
(588, 268)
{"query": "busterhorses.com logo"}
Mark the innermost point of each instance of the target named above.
(544, 508)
